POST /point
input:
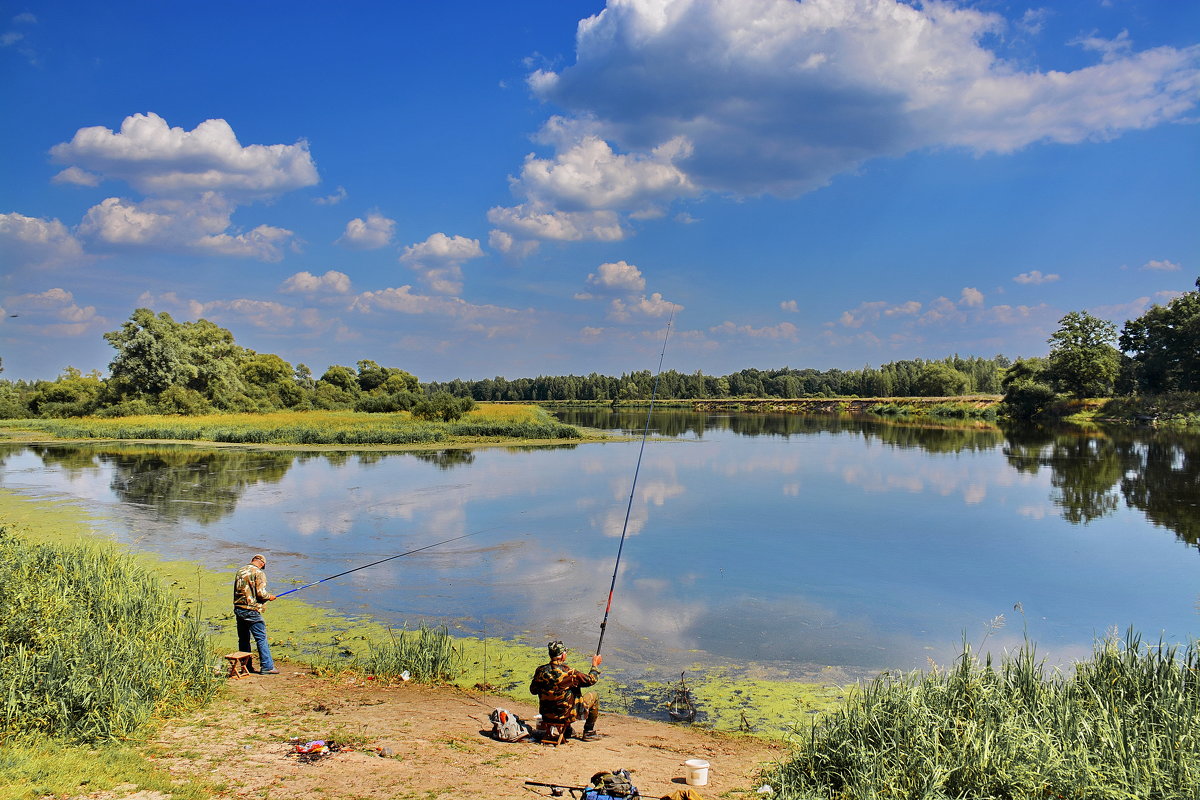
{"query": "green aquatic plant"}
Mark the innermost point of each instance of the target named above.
(92, 646)
(1124, 724)
(426, 655)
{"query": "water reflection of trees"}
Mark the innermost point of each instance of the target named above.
(1091, 472)
(947, 437)
(446, 459)
(1162, 479)
(179, 483)
(1156, 473)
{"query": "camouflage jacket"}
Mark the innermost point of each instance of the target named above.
(250, 588)
(555, 684)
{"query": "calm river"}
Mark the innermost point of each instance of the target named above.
(795, 542)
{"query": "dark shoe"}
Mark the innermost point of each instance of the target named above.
(271, 671)
(591, 736)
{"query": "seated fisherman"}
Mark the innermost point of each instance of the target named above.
(557, 686)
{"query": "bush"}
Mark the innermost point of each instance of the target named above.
(442, 406)
(91, 645)
(126, 408)
(387, 403)
(178, 400)
(1025, 399)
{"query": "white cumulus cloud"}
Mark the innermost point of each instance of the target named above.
(201, 224)
(55, 312)
(971, 297)
(1163, 266)
(652, 306)
(31, 241)
(618, 276)
(402, 300)
(192, 182)
(532, 221)
(590, 176)
(784, 330)
(76, 176)
(368, 234)
(1036, 277)
(157, 159)
(778, 96)
(439, 260)
(332, 281)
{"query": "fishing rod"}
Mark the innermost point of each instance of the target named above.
(389, 558)
(629, 508)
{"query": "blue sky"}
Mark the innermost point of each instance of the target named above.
(469, 189)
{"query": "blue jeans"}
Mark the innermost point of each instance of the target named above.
(251, 623)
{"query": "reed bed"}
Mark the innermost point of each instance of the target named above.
(315, 427)
(92, 647)
(1125, 724)
(426, 654)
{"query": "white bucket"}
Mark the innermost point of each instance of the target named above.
(697, 772)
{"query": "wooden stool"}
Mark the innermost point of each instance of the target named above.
(552, 733)
(239, 664)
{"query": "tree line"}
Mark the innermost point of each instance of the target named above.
(169, 367)
(913, 378)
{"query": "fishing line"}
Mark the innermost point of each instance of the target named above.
(629, 508)
(390, 558)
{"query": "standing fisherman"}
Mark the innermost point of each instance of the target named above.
(558, 689)
(249, 596)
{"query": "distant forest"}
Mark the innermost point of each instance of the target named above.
(912, 378)
(162, 366)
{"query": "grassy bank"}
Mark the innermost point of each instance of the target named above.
(1125, 724)
(1176, 410)
(94, 651)
(488, 423)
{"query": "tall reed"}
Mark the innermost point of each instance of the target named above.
(426, 654)
(1125, 724)
(91, 645)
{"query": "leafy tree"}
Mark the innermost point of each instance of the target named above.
(151, 355)
(1083, 361)
(156, 353)
(342, 378)
(304, 378)
(940, 380)
(1164, 344)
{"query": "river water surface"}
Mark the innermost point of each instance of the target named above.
(794, 542)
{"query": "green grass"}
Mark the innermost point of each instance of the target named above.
(93, 646)
(313, 427)
(33, 768)
(1125, 724)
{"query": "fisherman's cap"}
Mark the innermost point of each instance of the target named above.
(556, 648)
(259, 556)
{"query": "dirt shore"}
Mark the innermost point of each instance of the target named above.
(424, 742)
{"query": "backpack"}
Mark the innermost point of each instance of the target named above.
(614, 785)
(507, 726)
